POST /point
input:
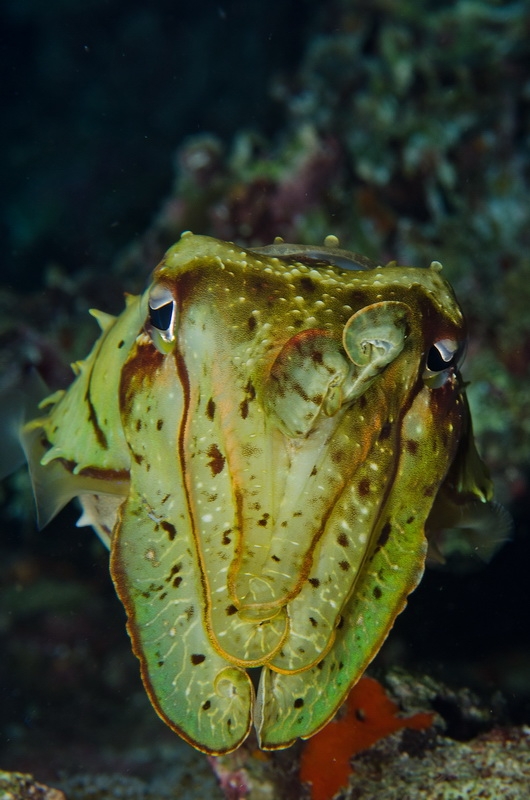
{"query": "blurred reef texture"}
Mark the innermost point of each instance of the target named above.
(401, 127)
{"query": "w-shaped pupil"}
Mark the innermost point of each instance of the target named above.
(435, 361)
(161, 317)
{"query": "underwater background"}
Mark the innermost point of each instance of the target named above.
(402, 128)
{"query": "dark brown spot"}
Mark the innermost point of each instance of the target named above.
(343, 540)
(169, 529)
(411, 446)
(177, 582)
(275, 558)
(206, 705)
(93, 419)
(138, 458)
(163, 595)
(190, 611)
(250, 393)
(340, 623)
(138, 424)
(429, 491)
(264, 520)
(95, 472)
(385, 533)
(120, 344)
(384, 433)
(300, 391)
(252, 322)
(159, 424)
(364, 487)
(231, 610)
(341, 664)
(410, 520)
(160, 663)
(344, 565)
(197, 658)
(314, 471)
(210, 408)
(217, 461)
(313, 622)
(299, 702)
(297, 513)
(377, 592)
(315, 583)
(226, 538)
(307, 284)
(337, 456)
(317, 357)
(250, 390)
(243, 408)
(317, 399)
(320, 665)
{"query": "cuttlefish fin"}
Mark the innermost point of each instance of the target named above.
(19, 401)
(465, 524)
(54, 484)
(475, 530)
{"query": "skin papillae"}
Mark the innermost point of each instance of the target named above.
(265, 439)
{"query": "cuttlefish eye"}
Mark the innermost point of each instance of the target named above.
(162, 318)
(443, 355)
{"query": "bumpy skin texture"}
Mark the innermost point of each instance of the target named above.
(261, 438)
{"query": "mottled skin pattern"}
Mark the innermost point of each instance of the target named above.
(261, 438)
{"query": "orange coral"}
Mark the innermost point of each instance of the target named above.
(369, 716)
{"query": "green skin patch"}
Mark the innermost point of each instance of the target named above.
(264, 439)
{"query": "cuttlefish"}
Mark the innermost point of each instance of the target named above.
(266, 439)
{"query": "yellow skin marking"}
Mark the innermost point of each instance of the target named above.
(264, 438)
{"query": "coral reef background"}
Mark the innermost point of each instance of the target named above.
(403, 128)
